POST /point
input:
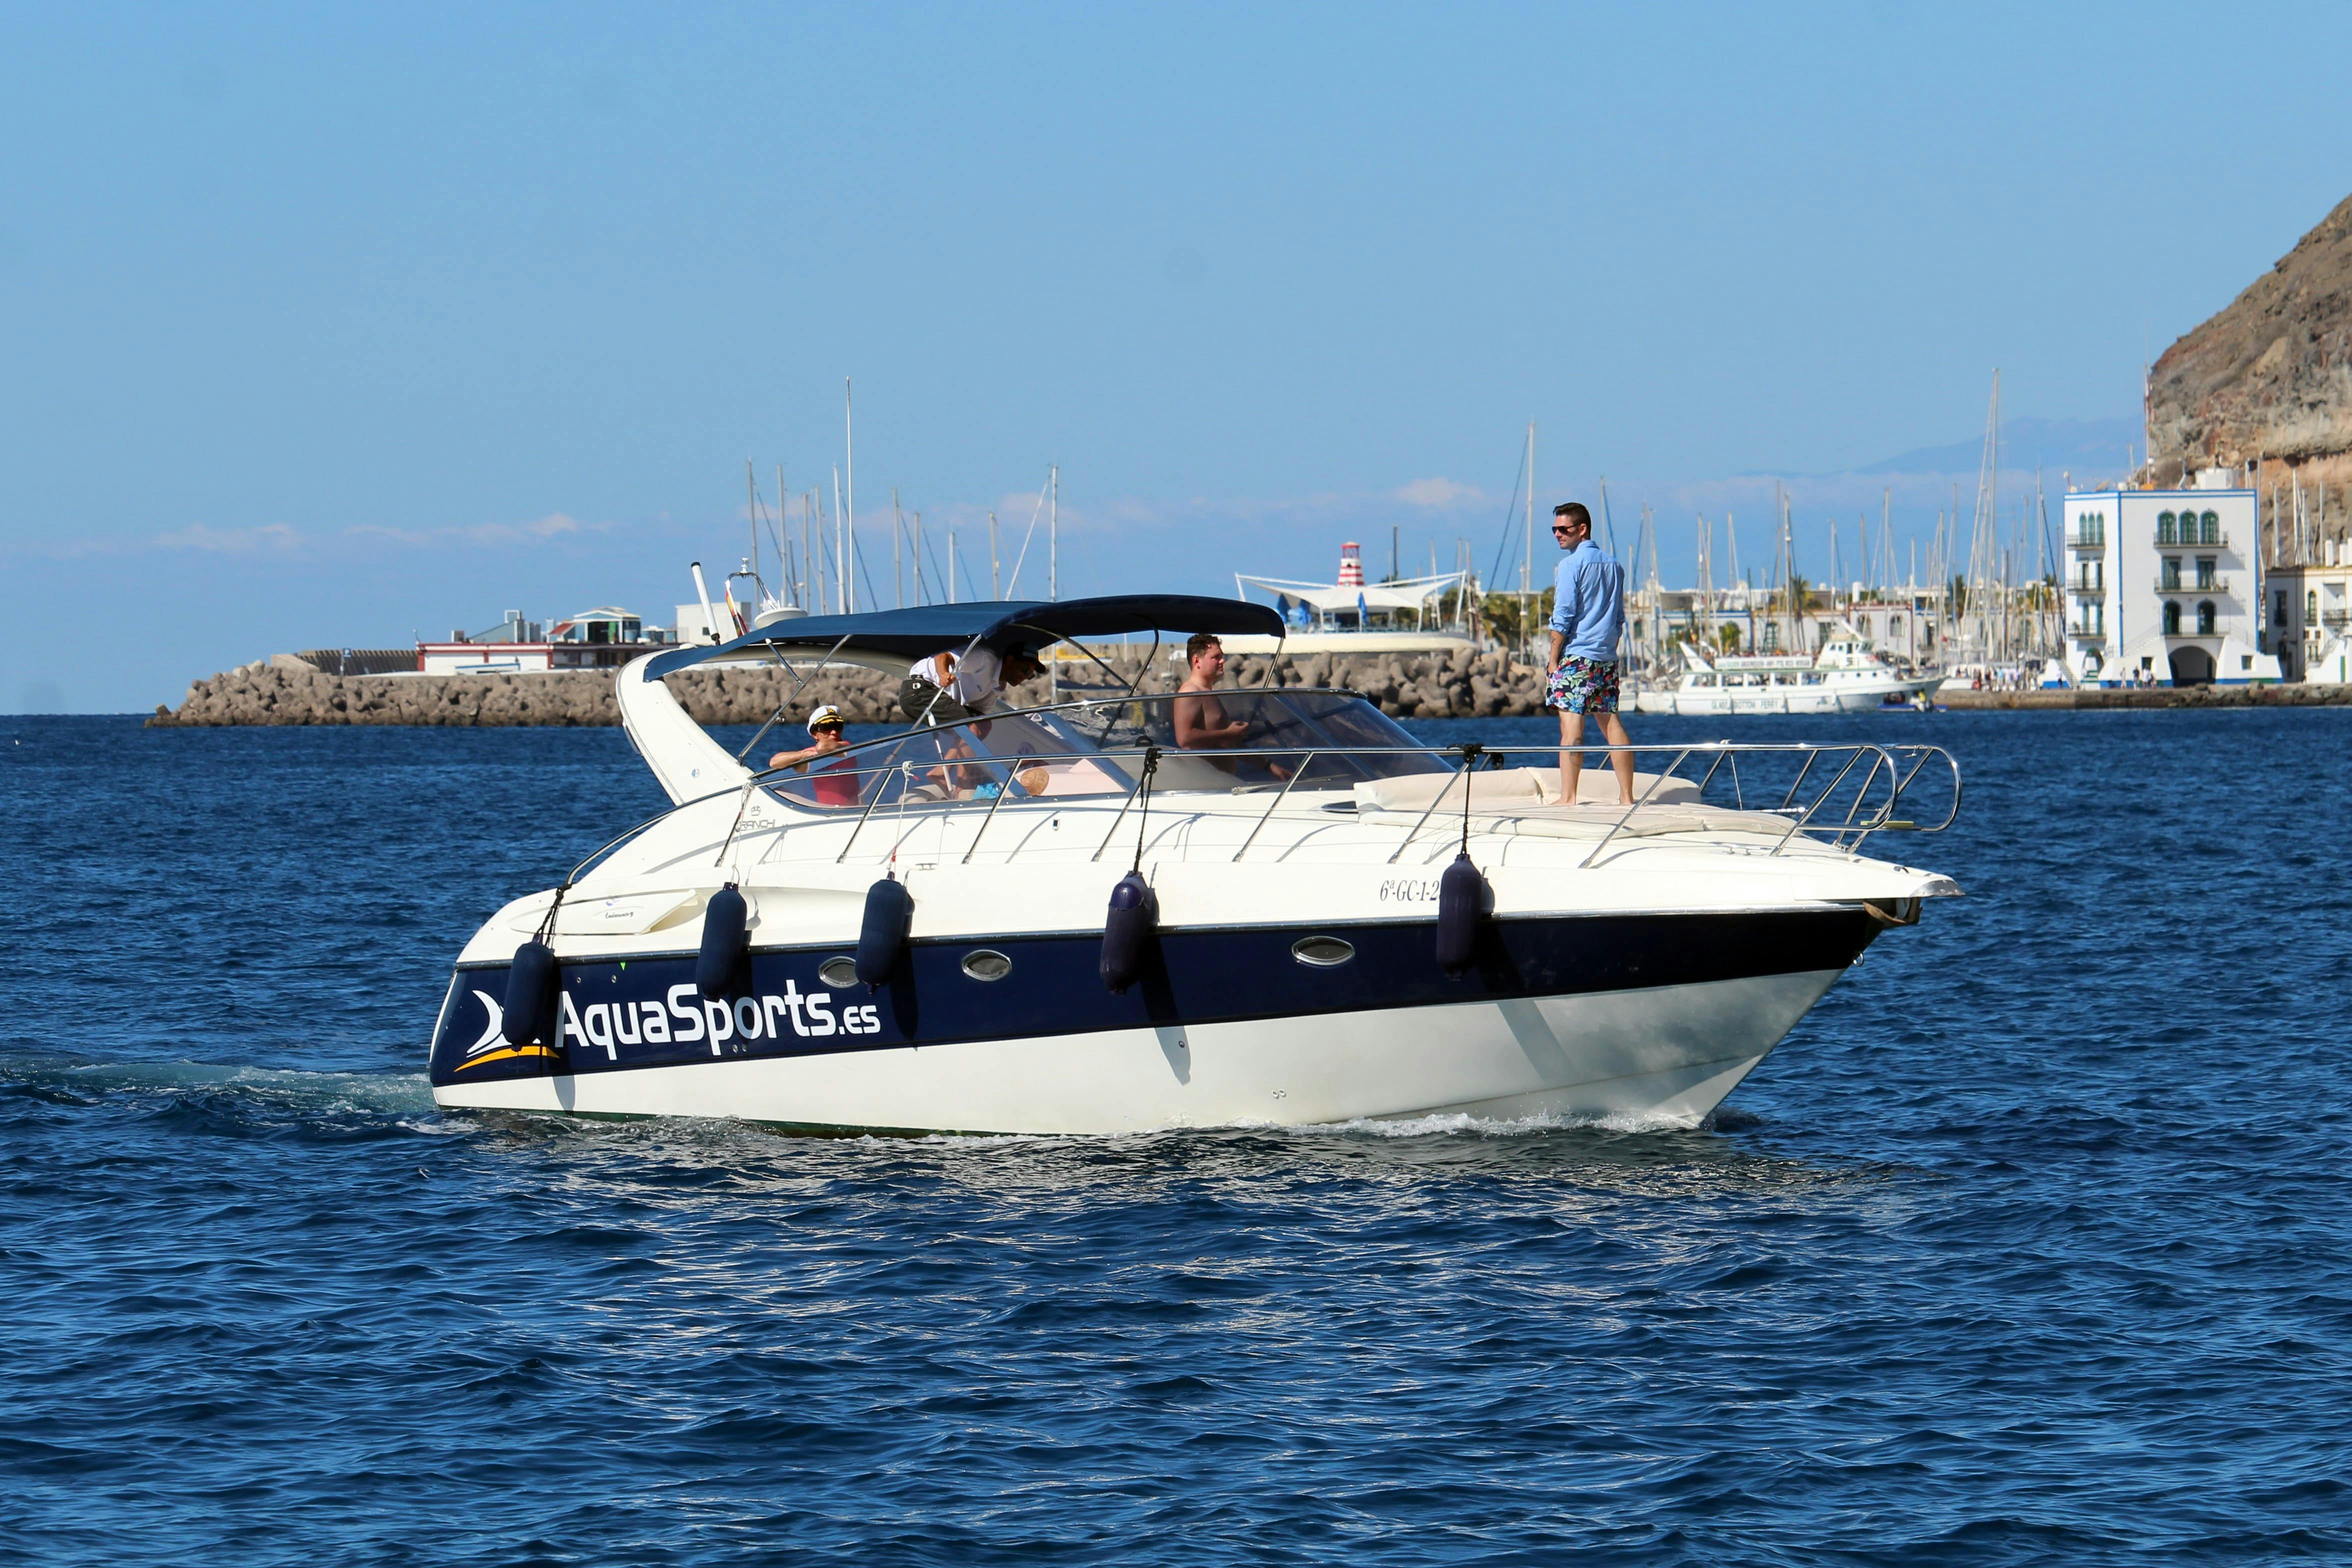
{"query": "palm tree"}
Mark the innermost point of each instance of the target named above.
(1799, 594)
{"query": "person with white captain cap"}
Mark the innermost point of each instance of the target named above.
(835, 785)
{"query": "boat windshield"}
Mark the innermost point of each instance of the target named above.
(1223, 743)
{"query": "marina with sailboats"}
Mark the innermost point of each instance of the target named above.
(2131, 594)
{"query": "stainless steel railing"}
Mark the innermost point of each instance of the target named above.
(1866, 787)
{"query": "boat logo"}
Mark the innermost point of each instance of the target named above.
(678, 1016)
(496, 1028)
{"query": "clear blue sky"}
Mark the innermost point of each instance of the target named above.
(327, 325)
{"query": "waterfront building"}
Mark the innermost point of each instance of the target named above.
(2164, 585)
(1900, 622)
(606, 637)
(1903, 622)
(2311, 617)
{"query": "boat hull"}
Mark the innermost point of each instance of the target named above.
(1719, 701)
(1651, 1017)
(1667, 1056)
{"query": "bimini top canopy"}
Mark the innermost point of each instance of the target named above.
(910, 634)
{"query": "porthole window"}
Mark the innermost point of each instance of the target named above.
(987, 963)
(838, 973)
(1321, 951)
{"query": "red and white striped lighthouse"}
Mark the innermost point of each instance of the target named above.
(1351, 566)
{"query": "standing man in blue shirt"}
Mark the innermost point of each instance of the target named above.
(1588, 617)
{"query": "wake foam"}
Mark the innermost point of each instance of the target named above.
(1462, 1124)
(290, 1088)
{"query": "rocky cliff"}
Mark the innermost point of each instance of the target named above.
(285, 691)
(2267, 383)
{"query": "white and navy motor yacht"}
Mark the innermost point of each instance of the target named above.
(1059, 920)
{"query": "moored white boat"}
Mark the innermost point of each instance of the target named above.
(1848, 676)
(1287, 967)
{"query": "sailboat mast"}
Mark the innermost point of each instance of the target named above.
(1887, 539)
(1656, 590)
(847, 519)
(1053, 533)
(751, 515)
(1527, 567)
(1704, 612)
(795, 572)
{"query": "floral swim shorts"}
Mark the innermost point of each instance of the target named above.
(1582, 685)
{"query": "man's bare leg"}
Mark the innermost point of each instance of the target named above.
(1613, 730)
(1571, 762)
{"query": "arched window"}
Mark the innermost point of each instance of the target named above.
(2205, 618)
(2164, 528)
(2212, 525)
(2310, 607)
(2171, 620)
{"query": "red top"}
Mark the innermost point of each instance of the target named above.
(831, 787)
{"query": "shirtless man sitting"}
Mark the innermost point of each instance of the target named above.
(1201, 720)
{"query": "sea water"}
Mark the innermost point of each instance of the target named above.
(2034, 1242)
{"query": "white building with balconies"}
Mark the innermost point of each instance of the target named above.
(2163, 587)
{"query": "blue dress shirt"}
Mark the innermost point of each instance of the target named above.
(1589, 602)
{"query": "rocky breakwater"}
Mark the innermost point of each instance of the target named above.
(286, 690)
(1460, 685)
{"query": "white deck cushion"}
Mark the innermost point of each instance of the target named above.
(1509, 788)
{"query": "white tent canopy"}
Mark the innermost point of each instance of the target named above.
(1410, 594)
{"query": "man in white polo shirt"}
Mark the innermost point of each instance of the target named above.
(959, 683)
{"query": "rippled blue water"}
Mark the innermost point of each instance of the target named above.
(2032, 1244)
